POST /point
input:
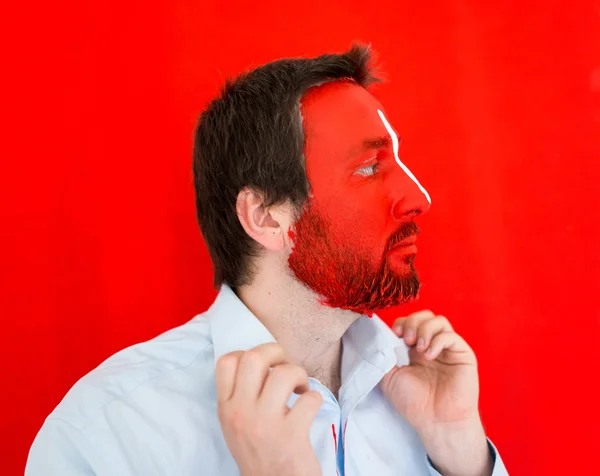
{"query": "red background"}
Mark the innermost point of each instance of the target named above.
(499, 110)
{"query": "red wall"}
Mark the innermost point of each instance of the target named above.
(499, 110)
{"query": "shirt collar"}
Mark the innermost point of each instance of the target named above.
(234, 327)
(376, 343)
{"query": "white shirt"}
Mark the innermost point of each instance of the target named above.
(151, 409)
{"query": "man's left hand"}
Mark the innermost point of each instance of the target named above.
(438, 393)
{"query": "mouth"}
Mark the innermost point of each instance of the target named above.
(405, 248)
(407, 242)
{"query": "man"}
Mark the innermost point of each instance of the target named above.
(308, 214)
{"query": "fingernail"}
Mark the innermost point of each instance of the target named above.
(398, 329)
(421, 343)
(409, 334)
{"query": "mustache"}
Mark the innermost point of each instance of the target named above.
(406, 230)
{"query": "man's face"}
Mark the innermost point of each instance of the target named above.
(354, 242)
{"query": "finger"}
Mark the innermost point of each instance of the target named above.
(429, 329)
(225, 373)
(446, 341)
(254, 367)
(305, 410)
(398, 326)
(281, 382)
(411, 324)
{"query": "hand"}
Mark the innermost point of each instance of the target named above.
(438, 393)
(264, 436)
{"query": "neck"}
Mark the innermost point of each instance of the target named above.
(309, 332)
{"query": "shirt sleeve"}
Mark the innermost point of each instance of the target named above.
(498, 470)
(58, 449)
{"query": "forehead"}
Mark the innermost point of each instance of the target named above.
(339, 113)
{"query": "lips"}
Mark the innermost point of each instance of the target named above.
(406, 242)
(405, 247)
(403, 241)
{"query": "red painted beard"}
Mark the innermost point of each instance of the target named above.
(345, 276)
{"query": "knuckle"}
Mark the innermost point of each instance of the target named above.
(410, 319)
(289, 373)
(228, 360)
(448, 338)
(418, 317)
(301, 372)
(424, 313)
(298, 375)
(270, 347)
(252, 357)
(280, 372)
(443, 319)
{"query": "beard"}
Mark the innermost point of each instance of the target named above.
(345, 276)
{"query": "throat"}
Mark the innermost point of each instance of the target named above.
(332, 383)
(309, 332)
(327, 368)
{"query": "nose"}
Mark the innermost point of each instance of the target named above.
(411, 202)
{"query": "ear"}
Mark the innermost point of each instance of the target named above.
(266, 225)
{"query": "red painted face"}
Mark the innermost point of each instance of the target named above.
(354, 242)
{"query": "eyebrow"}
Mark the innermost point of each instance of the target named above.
(376, 143)
(369, 144)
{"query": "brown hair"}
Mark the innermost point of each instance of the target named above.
(251, 136)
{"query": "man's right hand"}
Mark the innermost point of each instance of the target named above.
(264, 436)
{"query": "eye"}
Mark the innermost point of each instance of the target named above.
(368, 171)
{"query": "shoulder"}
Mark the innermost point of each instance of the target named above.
(174, 360)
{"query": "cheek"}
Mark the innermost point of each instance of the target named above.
(359, 212)
(358, 217)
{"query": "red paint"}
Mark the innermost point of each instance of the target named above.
(335, 445)
(404, 250)
(498, 104)
(334, 437)
(353, 219)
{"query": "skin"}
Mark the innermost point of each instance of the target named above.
(264, 436)
(350, 157)
(437, 393)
